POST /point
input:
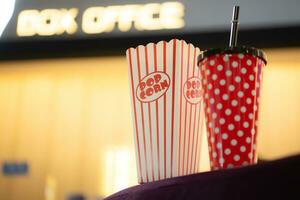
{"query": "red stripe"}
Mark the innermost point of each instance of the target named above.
(197, 137)
(189, 132)
(180, 111)
(193, 138)
(149, 115)
(142, 110)
(165, 104)
(200, 123)
(135, 118)
(195, 114)
(157, 119)
(173, 102)
(188, 63)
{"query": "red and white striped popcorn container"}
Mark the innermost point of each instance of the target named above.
(231, 79)
(166, 96)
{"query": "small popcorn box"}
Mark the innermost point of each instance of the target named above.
(166, 96)
(231, 79)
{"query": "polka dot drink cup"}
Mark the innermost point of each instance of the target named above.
(231, 80)
(166, 97)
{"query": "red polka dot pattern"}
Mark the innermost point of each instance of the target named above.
(231, 84)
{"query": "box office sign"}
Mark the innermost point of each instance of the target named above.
(32, 19)
(97, 20)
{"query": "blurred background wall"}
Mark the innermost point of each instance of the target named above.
(65, 116)
(70, 119)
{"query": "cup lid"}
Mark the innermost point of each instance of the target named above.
(233, 50)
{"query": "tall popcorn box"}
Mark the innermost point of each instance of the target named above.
(167, 103)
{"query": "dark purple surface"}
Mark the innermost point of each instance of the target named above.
(278, 179)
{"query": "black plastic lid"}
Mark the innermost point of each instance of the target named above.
(233, 50)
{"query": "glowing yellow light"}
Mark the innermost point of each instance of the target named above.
(120, 171)
(145, 19)
(50, 188)
(47, 22)
(68, 22)
(172, 14)
(25, 24)
(96, 20)
(111, 17)
(152, 16)
(90, 20)
(99, 19)
(127, 16)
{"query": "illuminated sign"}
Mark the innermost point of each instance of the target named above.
(96, 20)
(47, 22)
(80, 19)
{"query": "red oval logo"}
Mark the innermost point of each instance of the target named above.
(152, 86)
(192, 90)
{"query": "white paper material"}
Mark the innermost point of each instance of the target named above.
(167, 104)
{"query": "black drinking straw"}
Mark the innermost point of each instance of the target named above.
(234, 26)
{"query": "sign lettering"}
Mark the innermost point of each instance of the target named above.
(96, 20)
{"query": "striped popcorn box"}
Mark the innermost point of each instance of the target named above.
(231, 81)
(166, 96)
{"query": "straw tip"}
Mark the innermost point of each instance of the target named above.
(234, 26)
(235, 14)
